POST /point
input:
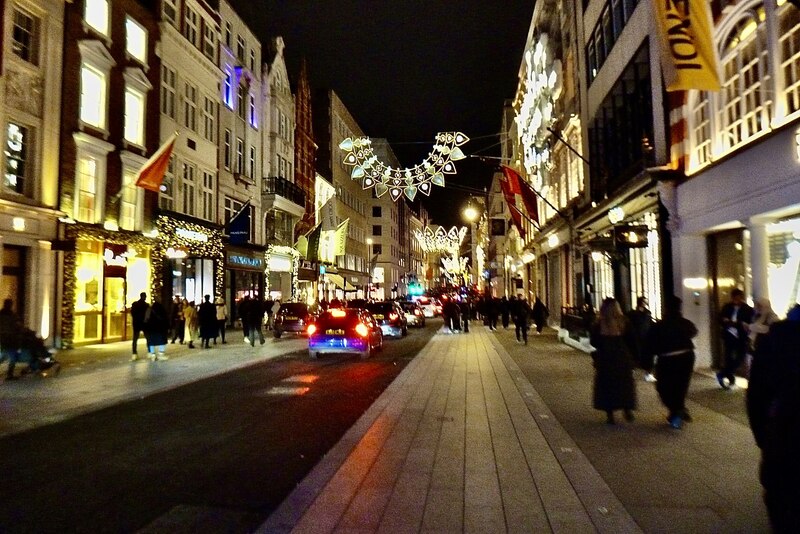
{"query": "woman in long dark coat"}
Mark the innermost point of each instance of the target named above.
(614, 387)
(156, 331)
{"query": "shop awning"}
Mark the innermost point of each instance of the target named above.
(337, 280)
(348, 286)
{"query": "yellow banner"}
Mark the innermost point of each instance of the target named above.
(341, 238)
(689, 56)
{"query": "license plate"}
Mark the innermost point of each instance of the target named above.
(290, 318)
(336, 332)
(379, 316)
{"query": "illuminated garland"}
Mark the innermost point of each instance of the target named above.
(286, 251)
(169, 238)
(96, 233)
(441, 240)
(374, 173)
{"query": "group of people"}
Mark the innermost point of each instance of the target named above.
(516, 310)
(19, 344)
(252, 312)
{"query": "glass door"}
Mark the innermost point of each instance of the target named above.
(114, 312)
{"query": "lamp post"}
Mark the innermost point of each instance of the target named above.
(472, 215)
(369, 268)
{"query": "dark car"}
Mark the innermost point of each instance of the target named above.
(292, 317)
(357, 303)
(344, 330)
(414, 314)
(390, 317)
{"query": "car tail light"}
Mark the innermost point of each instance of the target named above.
(393, 316)
(311, 329)
(417, 312)
(362, 330)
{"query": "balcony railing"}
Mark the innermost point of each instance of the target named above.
(275, 185)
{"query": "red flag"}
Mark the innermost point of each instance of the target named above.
(151, 175)
(510, 185)
(526, 191)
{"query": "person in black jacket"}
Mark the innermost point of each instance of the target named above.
(641, 320)
(734, 316)
(505, 309)
(138, 312)
(207, 317)
(539, 313)
(671, 340)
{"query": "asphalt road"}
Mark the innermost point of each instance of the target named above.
(215, 455)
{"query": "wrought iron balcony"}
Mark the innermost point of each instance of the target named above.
(275, 185)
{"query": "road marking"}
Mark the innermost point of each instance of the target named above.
(303, 379)
(281, 390)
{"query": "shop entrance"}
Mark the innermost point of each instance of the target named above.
(727, 258)
(12, 284)
(114, 311)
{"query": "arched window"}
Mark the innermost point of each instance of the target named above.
(745, 103)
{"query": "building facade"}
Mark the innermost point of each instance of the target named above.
(384, 228)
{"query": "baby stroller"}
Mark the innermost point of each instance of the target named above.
(34, 352)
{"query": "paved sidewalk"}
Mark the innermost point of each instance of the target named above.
(102, 375)
(463, 442)
(460, 442)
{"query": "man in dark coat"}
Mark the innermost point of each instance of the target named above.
(466, 312)
(520, 311)
(10, 330)
(734, 316)
(138, 312)
(243, 310)
(539, 314)
(671, 340)
(207, 317)
(641, 320)
(492, 310)
(775, 420)
(505, 310)
(255, 317)
(156, 331)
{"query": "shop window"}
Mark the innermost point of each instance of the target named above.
(645, 268)
(25, 37)
(96, 15)
(18, 156)
(784, 264)
(135, 40)
(192, 278)
(88, 291)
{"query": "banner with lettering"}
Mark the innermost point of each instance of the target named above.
(690, 59)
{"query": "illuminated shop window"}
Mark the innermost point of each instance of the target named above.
(88, 290)
(135, 40)
(783, 270)
(96, 15)
(93, 96)
(134, 117)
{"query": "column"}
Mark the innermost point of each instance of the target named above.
(43, 288)
(759, 258)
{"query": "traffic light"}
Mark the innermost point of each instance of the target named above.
(630, 236)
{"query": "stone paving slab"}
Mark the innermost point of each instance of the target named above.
(455, 444)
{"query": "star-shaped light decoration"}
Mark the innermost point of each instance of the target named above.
(399, 182)
(441, 240)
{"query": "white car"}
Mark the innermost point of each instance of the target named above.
(430, 307)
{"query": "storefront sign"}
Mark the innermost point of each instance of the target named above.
(239, 261)
(191, 235)
(176, 253)
(280, 263)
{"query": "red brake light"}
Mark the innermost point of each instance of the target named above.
(362, 330)
(417, 312)
(393, 316)
(311, 329)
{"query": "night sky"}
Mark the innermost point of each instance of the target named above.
(407, 69)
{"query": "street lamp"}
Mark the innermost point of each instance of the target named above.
(369, 267)
(472, 214)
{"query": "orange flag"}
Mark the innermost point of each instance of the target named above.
(151, 175)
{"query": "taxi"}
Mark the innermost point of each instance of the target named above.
(344, 331)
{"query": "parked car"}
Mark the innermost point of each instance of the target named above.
(291, 317)
(344, 330)
(357, 303)
(430, 307)
(390, 317)
(414, 313)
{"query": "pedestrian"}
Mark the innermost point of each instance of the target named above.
(641, 319)
(191, 322)
(775, 379)
(734, 316)
(670, 339)
(759, 389)
(493, 308)
(614, 388)
(255, 318)
(207, 319)
(222, 318)
(179, 331)
(268, 306)
(156, 331)
(466, 312)
(505, 310)
(272, 311)
(10, 328)
(520, 310)
(138, 311)
(539, 314)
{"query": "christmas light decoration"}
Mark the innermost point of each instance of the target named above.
(399, 182)
(285, 251)
(199, 241)
(441, 240)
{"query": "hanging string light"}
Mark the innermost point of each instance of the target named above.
(441, 240)
(399, 182)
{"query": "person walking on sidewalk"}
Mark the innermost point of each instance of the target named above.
(466, 312)
(506, 310)
(641, 319)
(178, 320)
(138, 312)
(734, 316)
(10, 333)
(611, 337)
(156, 331)
(190, 318)
(255, 317)
(222, 318)
(670, 339)
(207, 317)
(540, 314)
(492, 309)
(775, 420)
(243, 311)
(520, 311)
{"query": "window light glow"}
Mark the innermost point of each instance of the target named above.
(18, 224)
(134, 117)
(93, 96)
(96, 15)
(135, 40)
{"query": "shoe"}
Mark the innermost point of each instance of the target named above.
(629, 416)
(262, 341)
(686, 417)
(649, 377)
(610, 418)
(134, 357)
(191, 345)
(246, 339)
(721, 380)
(162, 357)
(224, 342)
(675, 422)
(151, 357)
